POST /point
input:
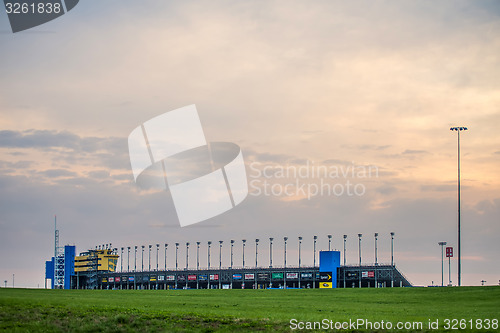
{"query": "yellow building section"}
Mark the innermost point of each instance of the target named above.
(105, 259)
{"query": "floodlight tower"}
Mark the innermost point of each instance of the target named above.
(459, 129)
(157, 251)
(376, 258)
(271, 252)
(359, 248)
(176, 256)
(345, 238)
(243, 250)
(121, 259)
(166, 245)
(314, 260)
(220, 254)
(392, 248)
(208, 251)
(197, 256)
(128, 258)
(329, 242)
(300, 243)
(149, 258)
(442, 244)
(232, 244)
(142, 259)
(187, 255)
(135, 260)
(256, 252)
(284, 260)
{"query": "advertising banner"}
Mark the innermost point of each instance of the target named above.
(277, 275)
(124, 279)
(117, 279)
(105, 280)
(145, 278)
(364, 274)
(203, 277)
(292, 276)
(325, 277)
(152, 278)
(111, 279)
(170, 277)
(250, 276)
(214, 277)
(237, 276)
(325, 285)
(263, 276)
(351, 274)
(131, 279)
(181, 277)
(371, 274)
(192, 277)
(306, 275)
(161, 278)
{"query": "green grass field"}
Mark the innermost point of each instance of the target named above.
(239, 310)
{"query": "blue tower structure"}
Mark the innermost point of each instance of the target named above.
(329, 262)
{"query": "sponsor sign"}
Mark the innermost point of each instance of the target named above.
(152, 278)
(181, 277)
(325, 285)
(170, 277)
(145, 278)
(117, 279)
(351, 274)
(306, 275)
(225, 286)
(371, 274)
(105, 280)
(325, 277)
(263, 276)
(237, 276)
(214, 277)
(250, 276)
(131, 279)
(292, 275)
(111, 279)
(277, 275)
(161, 278)
(124, 279)
(203, 277)
(449, 252)
(192, 277)
(364, 274)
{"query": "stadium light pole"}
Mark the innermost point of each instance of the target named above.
(220, 255)
(284, 260)
(176, 261)
(135, 260)
(300, 243)
(187, 255)
(208, 251)
(345, 238)
(392, 249)
(128, 258)
(197, 256)
(329, 242)
(314, 259)
(271, 252)
(149, 259)
(166, 245)
(359, 247)
(256, 252)
(376, 257)
(121, 259)
(243, 242)
(157, 252)
(232, 244)
(142, 259)
(459, 129)
(442, 244)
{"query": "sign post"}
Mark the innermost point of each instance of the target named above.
(449, 255)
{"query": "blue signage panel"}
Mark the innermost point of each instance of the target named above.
(329, 262)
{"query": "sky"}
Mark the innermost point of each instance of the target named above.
(298, 85)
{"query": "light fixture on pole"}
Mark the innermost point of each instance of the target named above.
(208, 251)
(157, 251)
(345, 238)
(166, 245)
(232, 244)
(376, 257)
(256, 252)
(176, 256)
(359, 247)
(197, 256)
(187, 255)
(243, 241)
(135, 260)
(149, 258)
(220, 254)
(300, 243)
(128, 258)
(142, 259)
(121, 260)
(314, 259)
(284, 260)
(392, 249)
(459, 129)
(442, 244)
(329, 242)
(270, 252)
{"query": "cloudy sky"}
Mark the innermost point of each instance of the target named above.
(326, 84)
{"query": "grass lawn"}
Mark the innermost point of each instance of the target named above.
(241, 310)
